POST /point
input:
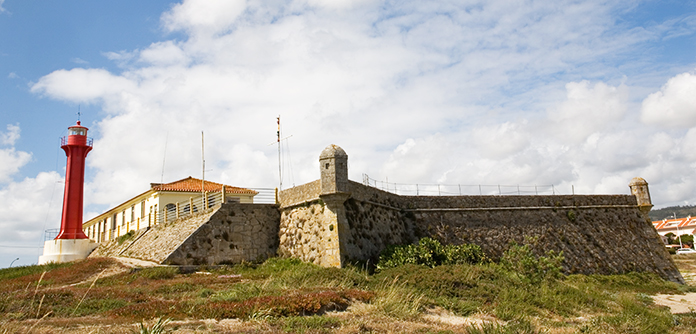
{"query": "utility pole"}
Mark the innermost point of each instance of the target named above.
(280, 169)
(202, 172)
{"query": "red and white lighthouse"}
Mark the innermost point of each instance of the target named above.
(72, 243)
(76, 146)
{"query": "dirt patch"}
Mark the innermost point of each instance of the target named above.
(677, 303)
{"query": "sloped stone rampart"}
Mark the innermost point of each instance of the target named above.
(598, 234)
(158, 242)
(234, 233)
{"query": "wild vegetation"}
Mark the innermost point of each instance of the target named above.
(524, 293)
(669, 212)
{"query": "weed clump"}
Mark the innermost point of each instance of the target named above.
(125, 237)
(430, 252)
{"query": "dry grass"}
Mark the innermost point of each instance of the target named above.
(120, 299)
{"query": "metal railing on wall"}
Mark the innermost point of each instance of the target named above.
(170, 212)
(426, 189)
(197, 204)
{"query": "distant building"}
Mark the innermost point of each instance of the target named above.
(679, 226)
(162, 203)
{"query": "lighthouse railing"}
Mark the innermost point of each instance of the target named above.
(51, 234)
(64, 141)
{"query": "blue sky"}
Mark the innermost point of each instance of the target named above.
(583, 95)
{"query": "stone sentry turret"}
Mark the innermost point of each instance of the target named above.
(333, 163)
(639, 189)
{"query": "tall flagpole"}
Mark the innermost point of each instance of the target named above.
(203, 170)
(280, 173)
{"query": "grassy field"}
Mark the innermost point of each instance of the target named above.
(288, 296)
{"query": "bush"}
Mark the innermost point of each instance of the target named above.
(429, 252)
(521, 261)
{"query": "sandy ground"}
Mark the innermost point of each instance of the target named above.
(131, 263)
(677, 303)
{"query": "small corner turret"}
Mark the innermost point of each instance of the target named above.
(333, 163)
(639, 189)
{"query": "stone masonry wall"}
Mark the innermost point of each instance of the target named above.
(305, 232)
(300, 194)
(158, 242)
(235, 233)
(602, 234)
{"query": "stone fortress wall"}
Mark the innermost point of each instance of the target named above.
(598, 234)
(333, 221)
(232, 232)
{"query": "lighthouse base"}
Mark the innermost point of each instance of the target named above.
(66, 250)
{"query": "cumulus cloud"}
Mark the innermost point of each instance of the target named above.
(11, 136)
(82, 85)
(674, 105)
(587, 110)
(208, 16)
(422, 92)
(11, 160)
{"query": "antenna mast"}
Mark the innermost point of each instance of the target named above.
(280, 173)
(203, 169)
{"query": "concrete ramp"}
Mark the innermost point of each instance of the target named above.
(158, 242)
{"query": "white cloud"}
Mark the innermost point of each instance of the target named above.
(164, 53)
(208, 16)
(79, 61)
(422, 92)
(82, 85)
(674, 105)
(11, 136)
(29, 207)
(11, 160)
(587, 110)
(2, 9)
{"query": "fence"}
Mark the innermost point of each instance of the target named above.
(51, 234)
(424, 189)
(178, 210)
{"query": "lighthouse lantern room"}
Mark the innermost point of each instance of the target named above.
(72, 243)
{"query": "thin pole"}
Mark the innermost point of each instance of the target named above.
(203, 166)
(280, 170)
(164, 158)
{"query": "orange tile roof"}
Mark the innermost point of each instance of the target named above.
(192, 184)
(674, 223)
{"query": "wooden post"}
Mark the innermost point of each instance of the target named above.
(177, 210)
(222, 194)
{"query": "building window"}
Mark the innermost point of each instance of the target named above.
(133, 213)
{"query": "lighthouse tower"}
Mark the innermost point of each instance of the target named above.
(72, 243)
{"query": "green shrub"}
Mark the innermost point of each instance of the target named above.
(311, 324)
(520, 260)
(125, 237)
(429, 252)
